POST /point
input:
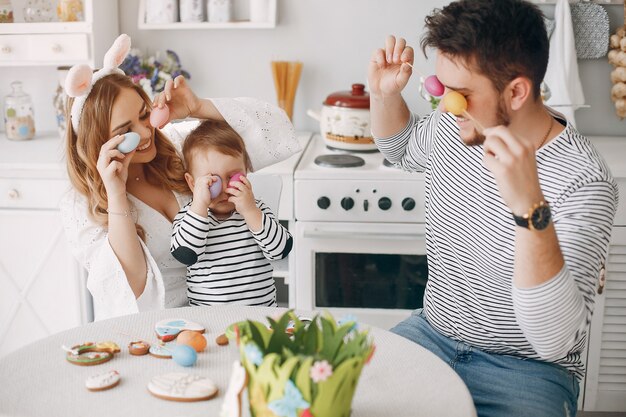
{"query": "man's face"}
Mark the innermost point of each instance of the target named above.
(484, 103)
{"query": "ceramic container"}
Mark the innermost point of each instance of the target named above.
(161, 11)
(345, 120)
(220, 10)
(191, 11)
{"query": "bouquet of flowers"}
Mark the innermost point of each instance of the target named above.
(152, 72)
(301, 368)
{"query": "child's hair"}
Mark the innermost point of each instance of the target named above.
(218, 135)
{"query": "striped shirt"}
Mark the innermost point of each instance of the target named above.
(226, 261)
(470, 235)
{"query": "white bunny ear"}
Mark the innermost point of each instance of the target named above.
(117, 53)
(78, 80)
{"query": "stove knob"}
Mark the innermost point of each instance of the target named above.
(408, 204)
(347, 203)
(384, 203)
(323, 203)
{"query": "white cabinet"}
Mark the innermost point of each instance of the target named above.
(41, 286)
(60, 43)
(238, 24)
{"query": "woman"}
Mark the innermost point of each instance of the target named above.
(118, 216)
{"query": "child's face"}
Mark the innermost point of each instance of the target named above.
(213, 162)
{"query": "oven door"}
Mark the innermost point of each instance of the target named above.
(376, 272)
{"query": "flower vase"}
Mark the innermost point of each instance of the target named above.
(311, 371)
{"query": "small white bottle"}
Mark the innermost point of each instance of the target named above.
(220, 10)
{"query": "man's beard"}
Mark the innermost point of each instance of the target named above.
(502, 118)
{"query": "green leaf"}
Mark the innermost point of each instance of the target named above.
(303, 379)
(260, 334)
(334, 396)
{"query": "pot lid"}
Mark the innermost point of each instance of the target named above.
(357, 98)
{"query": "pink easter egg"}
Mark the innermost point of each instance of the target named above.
(216, 187)
(236, 177)
(434, 86)
(159, 116)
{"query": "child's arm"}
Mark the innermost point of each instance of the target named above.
(274, 240)
(189, 236)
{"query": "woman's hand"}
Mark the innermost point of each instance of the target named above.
(242, 197)
(180, 99)
(389, 70)
(514, 167)
(113, 166)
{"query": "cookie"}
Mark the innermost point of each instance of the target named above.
(91, 353)
(138, 348)
(161, 351)
(221, 340)
(103, 381)
(179, 386)
(231, 407)
(167, 330)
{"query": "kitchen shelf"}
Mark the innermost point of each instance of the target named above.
(48, 27)
(239, 24)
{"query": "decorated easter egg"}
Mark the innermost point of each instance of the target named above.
(434, 86)
(216, 187)
(159, 116)
(130, 142)
(454, 103)
(184, 355)
(236, 177)
(193, 339)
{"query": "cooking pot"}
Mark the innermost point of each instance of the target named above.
(345, 120)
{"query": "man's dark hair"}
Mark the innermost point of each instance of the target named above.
(501, 39)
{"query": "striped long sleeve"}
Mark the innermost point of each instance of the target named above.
(470, 238)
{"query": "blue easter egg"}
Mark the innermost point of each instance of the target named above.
(130, 142)
(216, 187)
(184, 355)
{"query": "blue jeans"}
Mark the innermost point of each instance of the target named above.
(500, 385)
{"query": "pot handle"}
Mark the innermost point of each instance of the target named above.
(313, 114)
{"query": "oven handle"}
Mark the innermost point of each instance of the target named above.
(360, 235)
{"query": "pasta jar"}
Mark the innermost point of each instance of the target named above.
(6, 11)
(70, 10)
(19, 118)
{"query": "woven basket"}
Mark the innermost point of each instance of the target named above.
(591, 30)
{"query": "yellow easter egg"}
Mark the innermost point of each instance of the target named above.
(454, 103)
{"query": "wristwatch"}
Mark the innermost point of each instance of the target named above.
(537, 218)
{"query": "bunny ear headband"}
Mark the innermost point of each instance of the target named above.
(80, 78)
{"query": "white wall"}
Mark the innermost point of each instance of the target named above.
(333, 38)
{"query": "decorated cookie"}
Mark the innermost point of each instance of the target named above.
(221, 340)
(92, 353)
(138, 348)
(103, 381)
(162, 350)
(167, 330)
(231, 407)
(179, 386)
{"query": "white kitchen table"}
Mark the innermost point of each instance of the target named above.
(403, 379)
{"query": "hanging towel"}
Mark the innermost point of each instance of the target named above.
(562, 73)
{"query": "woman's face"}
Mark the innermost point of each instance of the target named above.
(131, 114)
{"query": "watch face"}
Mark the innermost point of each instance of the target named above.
(541, 217)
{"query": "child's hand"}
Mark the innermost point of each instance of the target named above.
(242, 197)
(202, 194)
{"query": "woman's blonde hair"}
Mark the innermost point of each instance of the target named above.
(83, 148)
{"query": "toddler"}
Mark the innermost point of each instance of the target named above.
(226, 241)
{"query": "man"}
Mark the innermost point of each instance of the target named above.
(518, 216)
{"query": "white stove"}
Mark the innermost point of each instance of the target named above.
(359, 236)
(371, 192)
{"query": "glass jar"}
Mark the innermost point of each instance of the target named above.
(39, 11)
(19, 118)
(70, 10)
(6, 11)
(59, 100)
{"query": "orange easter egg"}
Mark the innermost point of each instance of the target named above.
(454, 103)
(194, 339)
